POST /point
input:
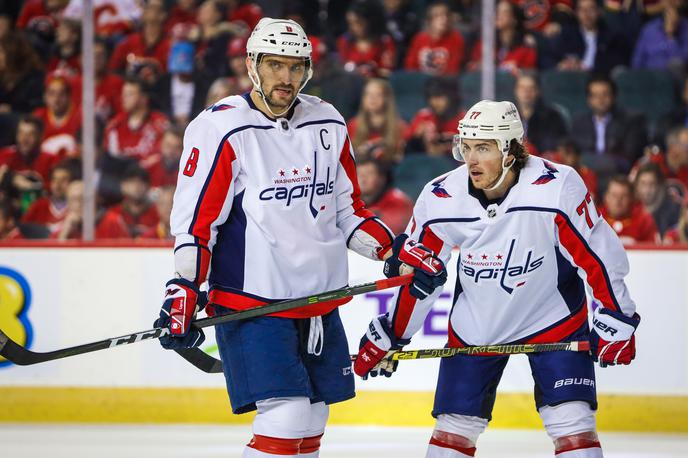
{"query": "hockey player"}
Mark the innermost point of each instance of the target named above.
(529, 235)
(267, 203)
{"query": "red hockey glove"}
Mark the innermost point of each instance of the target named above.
(429, 270)
(612, 339)
(183, 300)
(377, 341)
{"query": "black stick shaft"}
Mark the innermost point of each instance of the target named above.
(19, 355)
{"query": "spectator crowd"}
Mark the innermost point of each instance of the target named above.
(587, 76)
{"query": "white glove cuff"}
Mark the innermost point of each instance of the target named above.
(377, 335)
(610, 328)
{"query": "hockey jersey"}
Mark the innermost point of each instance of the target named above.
(270, 204)
(522, 260)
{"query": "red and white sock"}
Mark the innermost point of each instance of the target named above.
(448, 445)
(310, 447)
(264, 446)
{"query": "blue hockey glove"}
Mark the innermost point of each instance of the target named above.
(183, 300)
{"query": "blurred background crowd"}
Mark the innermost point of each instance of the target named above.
(600, 85)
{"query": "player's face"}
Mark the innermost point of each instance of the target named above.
(484, 162)
(618, 200)
(281, 78)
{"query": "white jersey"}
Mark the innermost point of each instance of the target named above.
(271, 204)
(523, 258)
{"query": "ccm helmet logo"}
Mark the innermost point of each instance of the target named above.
(290, 43)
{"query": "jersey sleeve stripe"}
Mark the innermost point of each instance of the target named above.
(403, 311)
(347, 161)
(214, 193)
(588, 261)
(431, 240)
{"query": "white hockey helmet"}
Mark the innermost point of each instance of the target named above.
(490, 120)
(279, 37)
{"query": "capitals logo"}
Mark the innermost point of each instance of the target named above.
(438, 190)
(309, 190)
(547, 174)
(508, 271)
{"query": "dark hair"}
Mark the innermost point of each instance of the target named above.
(33, 120)
(71, 165)
(383, 168)
(373, 13)
(520, 18)
(442, 85)
(600, 78)
(533, 75)
(568, 144)
(133, 80)
(135, 171)
(622, 180)
(21, 59)
(520, 154)
(654, 169)
(8, 210)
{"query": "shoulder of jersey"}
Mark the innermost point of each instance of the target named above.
(312, 108)
(452, 184)
(542, 174)
(230, 113)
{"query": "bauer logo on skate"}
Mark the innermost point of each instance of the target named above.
(15, 300)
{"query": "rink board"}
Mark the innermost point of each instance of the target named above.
(63, 294)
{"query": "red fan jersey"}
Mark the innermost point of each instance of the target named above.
(133, 49)
(59, 136)
(636, 227)
(141, 143)
(249, 14)
(162, 174)
(33, 13)
(44, 212)
(538, 13)
(520, 57)
(443, 127)
(41, 164)
(380, 54)
(117, 223)
(437, 57)
(394, 209)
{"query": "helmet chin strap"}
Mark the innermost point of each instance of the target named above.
(257, 85)
(505, 170)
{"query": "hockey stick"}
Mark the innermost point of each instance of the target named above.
(486, 350)
(17, 354)
(211, 365)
